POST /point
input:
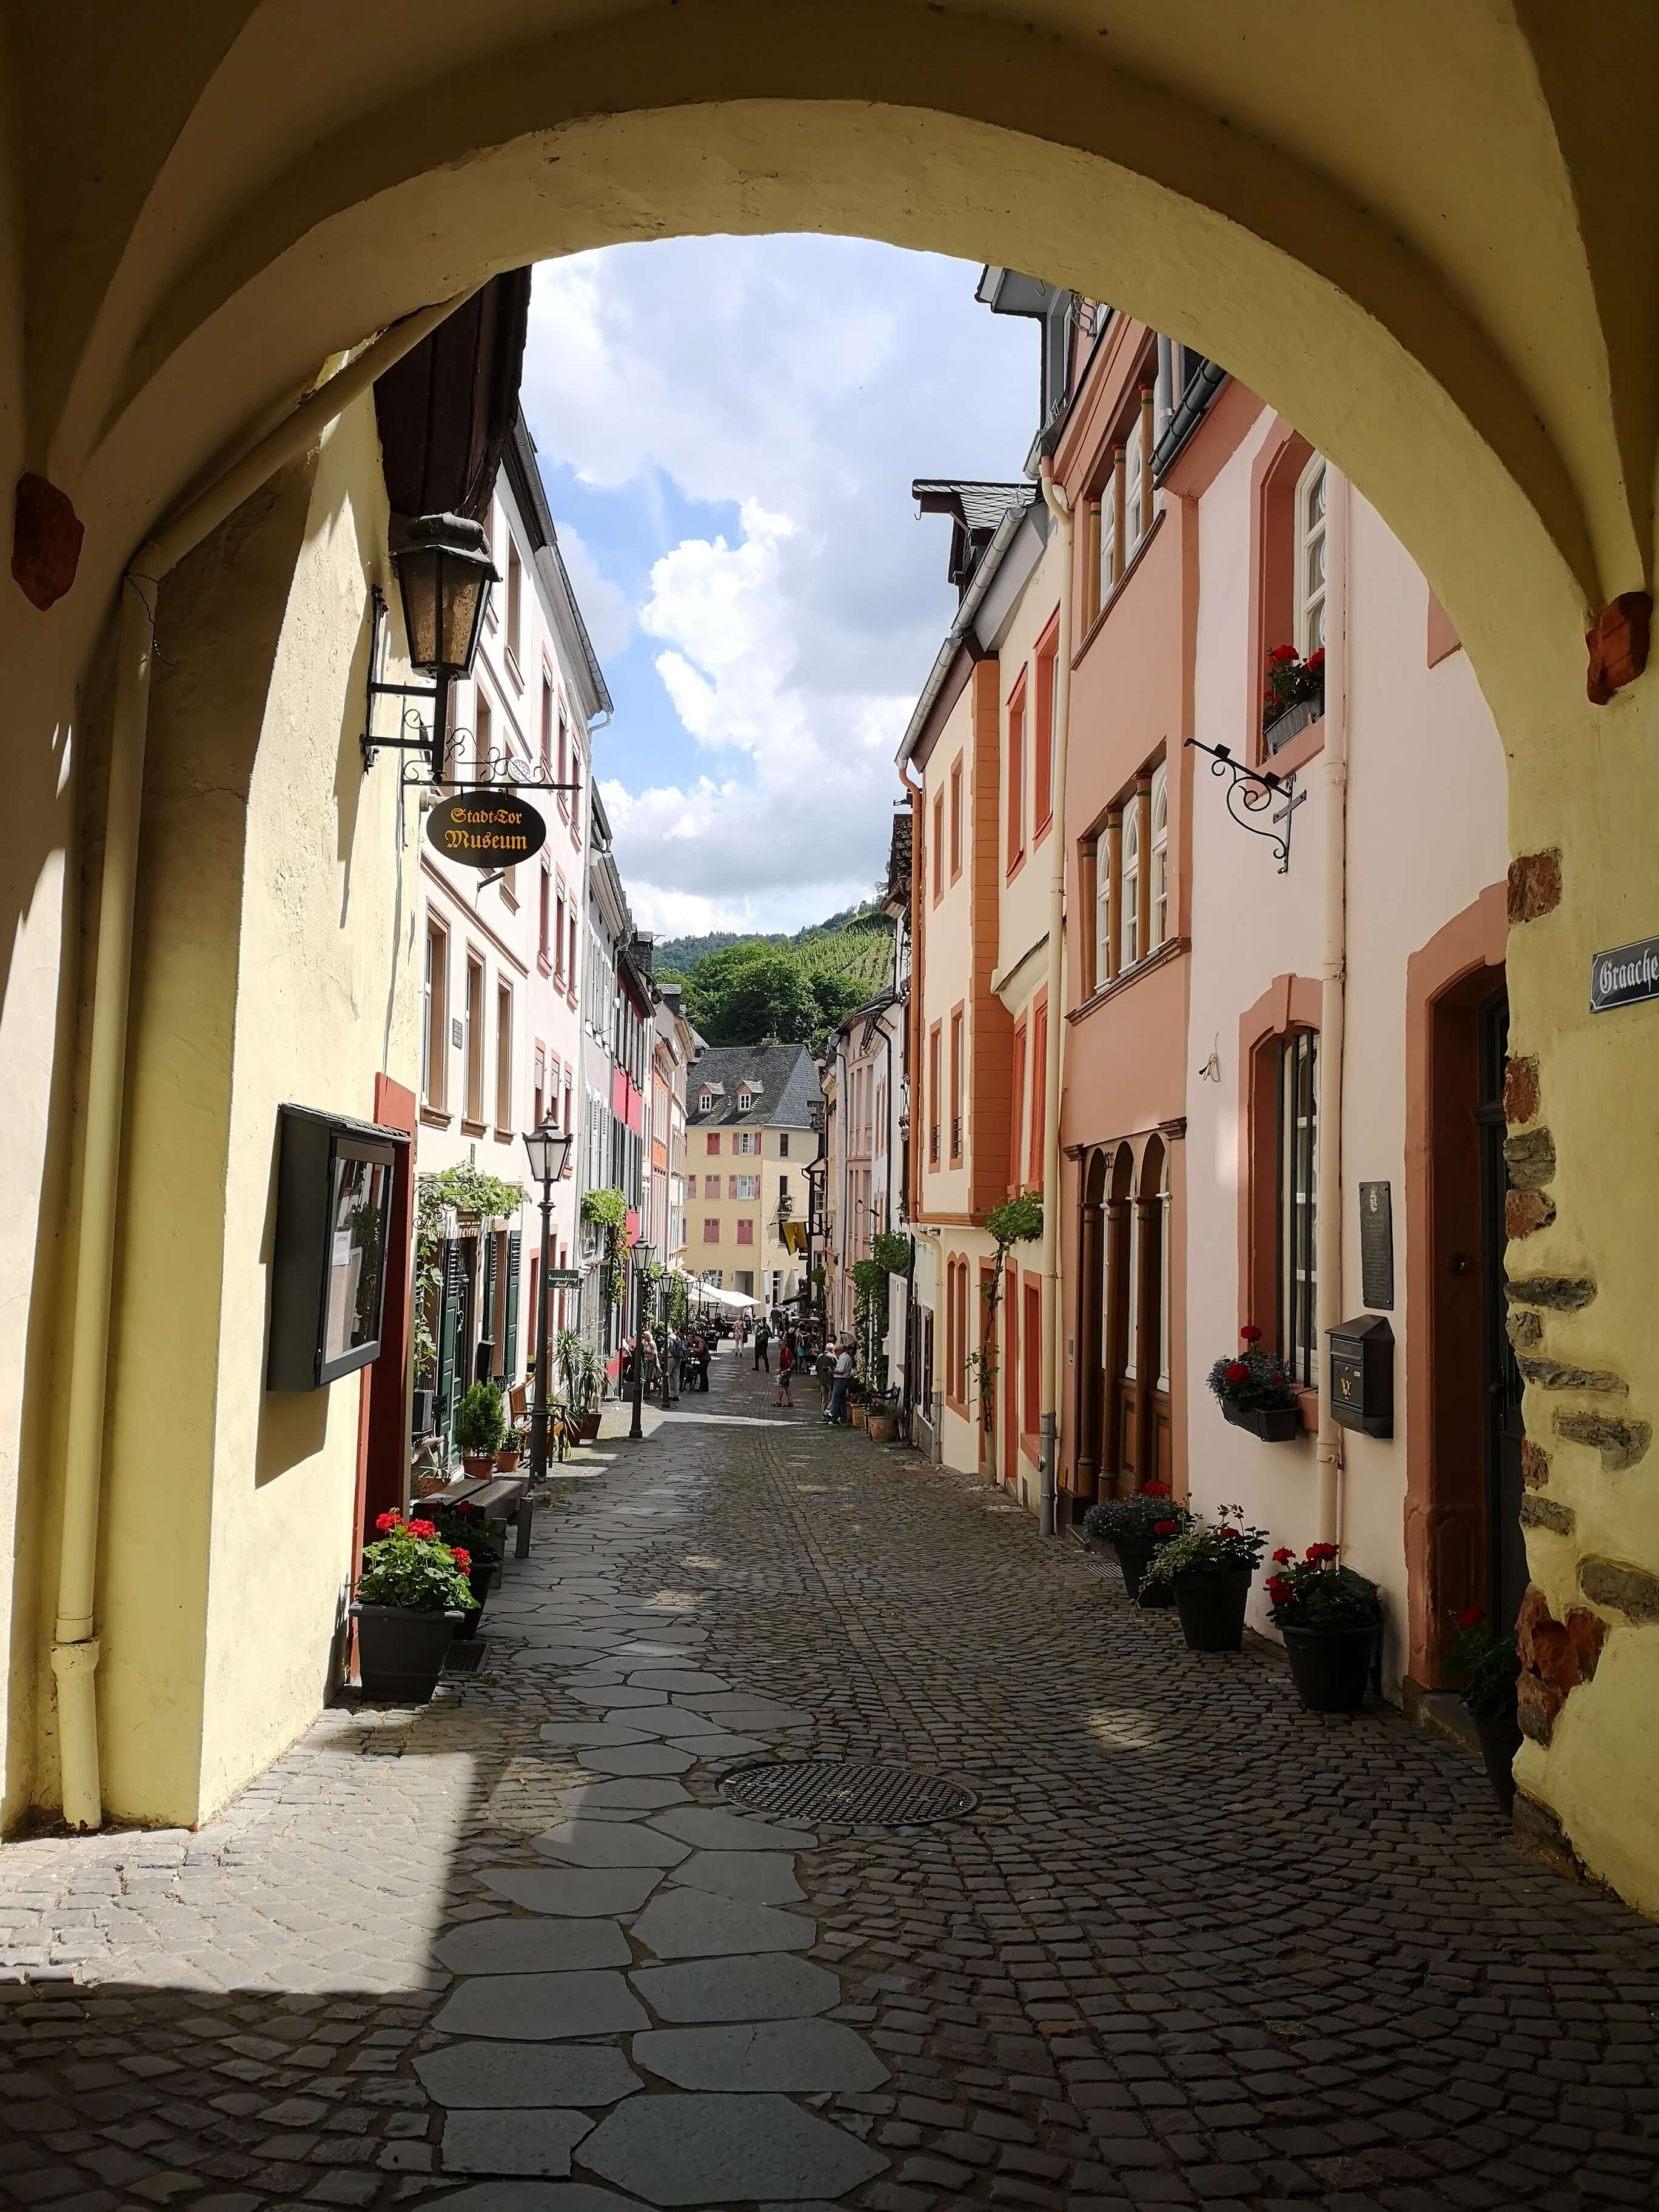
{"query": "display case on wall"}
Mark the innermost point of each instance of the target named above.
(330, 1255)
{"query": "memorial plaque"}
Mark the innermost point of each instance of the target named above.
(1377, 1245)
(1625, 976)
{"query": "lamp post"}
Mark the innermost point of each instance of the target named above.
(549, 1153)
(641, 1263)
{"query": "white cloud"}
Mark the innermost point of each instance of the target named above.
(604, 605)
(805, 381)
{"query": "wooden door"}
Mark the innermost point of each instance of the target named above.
(1506, 1550)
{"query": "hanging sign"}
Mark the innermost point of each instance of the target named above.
(485, 829)
(1625, 976)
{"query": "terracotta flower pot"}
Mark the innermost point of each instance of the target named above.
(506, 1460)
(883, 1427)
(478, 1465)
(1331, 1666)
(860, 1416)
(400, 1653)
(587, 1427)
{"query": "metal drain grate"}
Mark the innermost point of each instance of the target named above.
(465, 1657)
(847, 1790)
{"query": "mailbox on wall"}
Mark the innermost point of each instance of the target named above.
(329, 1260)
(1362, 1375)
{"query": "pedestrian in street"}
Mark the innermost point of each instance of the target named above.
(786, 1373)
(824, 1368)
(676, 1362)
(763, 1347)
(701, 1349)
(836, 1417)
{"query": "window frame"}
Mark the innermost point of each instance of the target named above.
(474, 1020)
(1015, 793)
(957, 817)
(504, 1045)
(435, 1026)
(1308, 601)
(1157, 857)
(1296, 1204)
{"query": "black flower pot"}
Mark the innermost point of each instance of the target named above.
(480, 1575)
(1331, 1666)
(1212, 1608)
(1132, 1553)
(1500, 1739)
(400, 1653)
(1275, 1424)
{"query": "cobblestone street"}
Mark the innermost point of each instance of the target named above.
(1192, 1945)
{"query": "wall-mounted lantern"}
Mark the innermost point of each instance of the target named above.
(444, 576)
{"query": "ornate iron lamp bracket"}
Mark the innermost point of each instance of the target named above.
(1250, 792)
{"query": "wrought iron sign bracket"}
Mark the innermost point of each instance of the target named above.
(1251, 792)
(426, 740)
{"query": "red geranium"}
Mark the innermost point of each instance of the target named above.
(1163, 1527)
(1250, 1332)
(1278, 1589)
(388, 1521)
(1315, 660)
(1318, 1553)
(1283, 1556)
(423, 1528)
(1471, 1617)
(462, 1558)
(1155, 1489)
(1237, 1371)
(1281, 654)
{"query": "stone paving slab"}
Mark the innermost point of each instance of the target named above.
(1193, 1945)
(513, 2141)
(675, 2149)
(540, 2005)
(691, 1923)
(610, 1844)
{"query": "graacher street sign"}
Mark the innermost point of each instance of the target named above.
(1625, 976)
(486, 829)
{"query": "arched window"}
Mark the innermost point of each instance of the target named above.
(1164, 1276)
(1160, 924)
(1310, 558)
(1136, 520)
(1128, 930)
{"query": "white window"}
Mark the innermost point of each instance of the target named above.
(503, 1056)
(434, 1019)
(1128, 932)
(745, 1098)
(1136, 520)
(705, 1101)
(748, 1141)
(745, 1186)
(1310, 559)
(1108, 537)
(1103, 909)
(1159, 927)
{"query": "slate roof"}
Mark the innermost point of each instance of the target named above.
(975, 509)
(788, 1077)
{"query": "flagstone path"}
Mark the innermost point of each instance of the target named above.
(516, 1952)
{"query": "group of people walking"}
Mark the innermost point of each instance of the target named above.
(689, 1353)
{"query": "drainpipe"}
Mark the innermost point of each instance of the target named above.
(1333, 993)
(1060, 507)
(75, 1646)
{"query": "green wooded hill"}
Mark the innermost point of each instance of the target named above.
(741, 989)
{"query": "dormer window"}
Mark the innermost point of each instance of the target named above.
(705, 1101)
(746, 1098)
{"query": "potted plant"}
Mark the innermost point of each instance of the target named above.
(1134, 1527)
(1331, 1618)
(1294, 695)
(512, 1452)
(1491, 1665)
(480, 1425)
(881, 1417)
(473, 1538)
(411, 1593)
(1255, 1391)
(1210, 1567)
(858, 1403)
(583, 1383)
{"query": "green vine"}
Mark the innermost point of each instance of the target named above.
(1016, 1221)
(471, 1194)
(607, 1209)
(890, 1254)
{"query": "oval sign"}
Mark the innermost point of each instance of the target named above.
(485, 829)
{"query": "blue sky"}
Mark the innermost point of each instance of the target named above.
(728, 428)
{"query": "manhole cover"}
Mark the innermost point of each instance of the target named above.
(847, 1790)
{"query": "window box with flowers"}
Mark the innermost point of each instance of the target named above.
(1255, 1391)
(1490, 1666)
(1210, 1567)
(411, 1595)
(1134, 1527)
(1331, 1619)
(1294, 696)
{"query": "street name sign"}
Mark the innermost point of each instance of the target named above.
(486, 829)
(1625, 976)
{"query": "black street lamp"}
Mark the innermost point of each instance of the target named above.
(641, 1258)
(550, 1150)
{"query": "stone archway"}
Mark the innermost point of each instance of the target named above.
(207, 208)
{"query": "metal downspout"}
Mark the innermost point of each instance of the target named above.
(1060, 507)
(75, 1645)
(1333, 995)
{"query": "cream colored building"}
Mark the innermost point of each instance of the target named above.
(749, 1139)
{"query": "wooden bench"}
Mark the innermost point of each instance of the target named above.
(503, 1498)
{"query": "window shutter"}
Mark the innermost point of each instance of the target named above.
(448, 1313)
(491, 1242)
(510, 1346)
